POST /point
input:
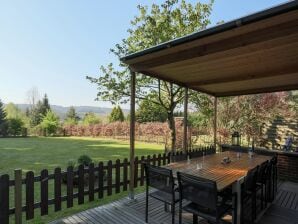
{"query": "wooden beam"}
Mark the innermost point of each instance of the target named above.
(258, 91)
(132, 133)
(242, 40)
(158, 76)
(185, 120)
(247, 76)
(215, 122)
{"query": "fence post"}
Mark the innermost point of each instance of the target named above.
(117, 181)
(4, 199)
(100, 180)
(91, 182)
(81, 184)
(29, 195)
(69, 189)
(57, 188)
(44, 192)
(18, 196)
(109, 178)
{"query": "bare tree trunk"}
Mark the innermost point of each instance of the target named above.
(171, 123)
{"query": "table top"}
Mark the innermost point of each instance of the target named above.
(213, 168)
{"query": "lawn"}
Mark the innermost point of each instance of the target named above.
(37, 153)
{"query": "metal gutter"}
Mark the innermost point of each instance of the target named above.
(277, 10)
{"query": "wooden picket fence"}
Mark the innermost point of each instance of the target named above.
(104, 179)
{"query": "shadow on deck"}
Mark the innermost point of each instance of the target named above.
(284, 210)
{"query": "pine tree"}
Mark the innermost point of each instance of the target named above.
(3, 121)
(72, 116)
(116, 114)
(39, 111)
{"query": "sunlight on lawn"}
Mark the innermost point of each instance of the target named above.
(37, 153)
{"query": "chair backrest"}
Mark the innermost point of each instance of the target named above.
(268, 171)
(274, 160)
(251, 179)
(261, 171)
(201, 191)
(159, 178)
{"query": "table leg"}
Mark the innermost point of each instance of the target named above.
(237, 190)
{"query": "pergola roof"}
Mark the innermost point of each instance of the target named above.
(254, 54)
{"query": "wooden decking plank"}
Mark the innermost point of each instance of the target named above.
(290, 200)
(124, 211)
(95, 216)
(89, 217)
(104, 216)
(130, 212)
(113, 211)
(295, 198)
(285, 199)
(280, 197)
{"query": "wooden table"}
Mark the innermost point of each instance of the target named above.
(225, 175)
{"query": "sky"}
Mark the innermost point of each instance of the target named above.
(54, 44)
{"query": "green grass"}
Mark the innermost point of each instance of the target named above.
(37, 153)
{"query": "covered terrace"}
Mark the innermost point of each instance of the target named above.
(254, 54)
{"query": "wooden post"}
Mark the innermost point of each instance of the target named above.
(132, 133)
(215, 122)
(185, 119)
(18, 196)
(4, 199)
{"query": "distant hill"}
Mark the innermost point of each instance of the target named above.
(81, 110)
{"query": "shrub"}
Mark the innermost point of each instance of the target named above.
(71, 163)
(15, 126)
(50, 122)
(85, 160)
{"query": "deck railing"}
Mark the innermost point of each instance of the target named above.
(84, 183)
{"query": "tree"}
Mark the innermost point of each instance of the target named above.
(116, 114)
(15, 126)
(33, 96)
(44, 106)
(90, 119)
(16, 119)
(293, 102)
(50, 122)
(71, 116)
(150, 112)
(39, 110)
(3, 121)
(172, 19)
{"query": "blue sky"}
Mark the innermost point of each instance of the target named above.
(54, 44)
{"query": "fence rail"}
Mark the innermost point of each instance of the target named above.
(95, 180)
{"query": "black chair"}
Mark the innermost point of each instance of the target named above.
(203, 199)
(273, 161)
(162, 180)
(268, 178)
(248, 192)
(262, 182)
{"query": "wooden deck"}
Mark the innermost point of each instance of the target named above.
(284, 210)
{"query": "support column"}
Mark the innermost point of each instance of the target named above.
(132, 133)
(215, 122)
(185, 119)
